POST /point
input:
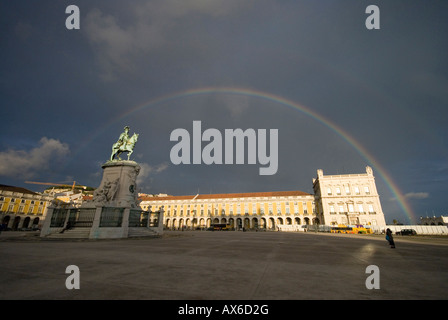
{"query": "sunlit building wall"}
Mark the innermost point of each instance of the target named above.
(22, 208)
(348, 199)
(260, 210)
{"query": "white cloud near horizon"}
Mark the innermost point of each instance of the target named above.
(416, 195)
(27, 164)
(147, 169)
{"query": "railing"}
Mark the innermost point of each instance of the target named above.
(154, 219)
(58, 218)
(138, 218)
(111, 217)
(85, 217)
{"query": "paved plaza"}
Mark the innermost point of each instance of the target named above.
(225, 265)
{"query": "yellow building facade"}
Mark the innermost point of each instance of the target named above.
(260, 210)
(21, 208)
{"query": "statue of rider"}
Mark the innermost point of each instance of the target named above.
(124, 137)
(124, 144)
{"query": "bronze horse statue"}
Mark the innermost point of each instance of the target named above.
(128, 146)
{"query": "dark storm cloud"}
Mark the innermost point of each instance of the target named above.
(386, 88)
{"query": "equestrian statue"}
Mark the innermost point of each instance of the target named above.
(124, 144)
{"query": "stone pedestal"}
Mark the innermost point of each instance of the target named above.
(118, 187)
(114, 211)
(46, 225)
(114, 198)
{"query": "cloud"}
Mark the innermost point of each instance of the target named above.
(236, 104)
(416, 195)
(413, 196)
(150, 28)
(147, 169)
(26, 164)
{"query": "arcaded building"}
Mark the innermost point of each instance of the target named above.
(348, 199)
(257, 210)
(21, 208)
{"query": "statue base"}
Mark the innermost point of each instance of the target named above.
(118, 187)
(114, 211)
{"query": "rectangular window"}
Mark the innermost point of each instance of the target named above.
(296, 207)
(357, 190)
(347, 190)
(338, 191)
(366, 190)
(329, 191)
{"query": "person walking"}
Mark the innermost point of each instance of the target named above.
(390, 238)
(68, 226)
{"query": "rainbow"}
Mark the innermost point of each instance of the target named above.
(363, 152)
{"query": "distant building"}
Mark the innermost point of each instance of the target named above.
(75, 199)
(434, 221)
(265, 210)
(22, 208)
(348, 199)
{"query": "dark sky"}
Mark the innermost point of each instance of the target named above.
(66, 95)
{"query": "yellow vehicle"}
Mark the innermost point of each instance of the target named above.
(356, 229)
(360, 229)
(219, 227)
(341, 229)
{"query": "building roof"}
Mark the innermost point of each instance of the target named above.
(229, 195)
(4, 187)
